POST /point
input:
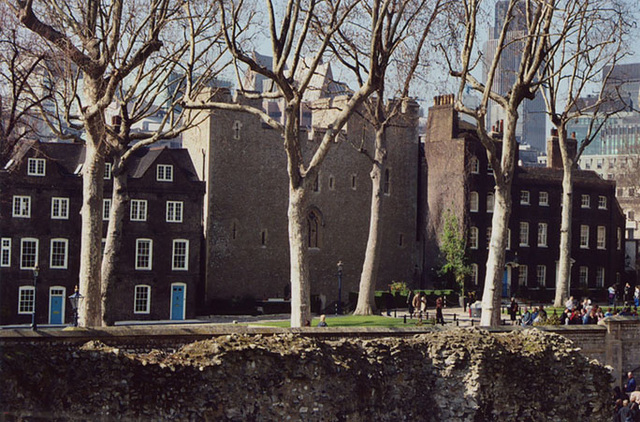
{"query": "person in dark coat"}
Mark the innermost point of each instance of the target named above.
(439, 306)
(410, 303)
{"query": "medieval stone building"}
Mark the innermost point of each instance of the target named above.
(243, 164)
(460, 178)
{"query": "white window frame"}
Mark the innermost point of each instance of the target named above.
(543, 199)
(523, 275)
(174, 211)
(474, 202)
(541, 275)
(585, 201)
(59, 208)
(600, 272)
(26, 300)
(524, 233)
(138, 299)
(21, 206)
(475, 165)
(106, 209)
(22, 252)
(164, 173)
(601, 237)
(107, 170)
(57, 265)
(175, 255)
(148, 256)
(5, 252)
(525, 197)
(542, 235)
(138, 210)
(491, 202)
(584, 275)
(36, 167)
(473, 238)
(474, 274)
(602, 202)
(584, 236)
(489, 230)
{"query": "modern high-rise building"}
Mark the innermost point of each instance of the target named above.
(531, 127)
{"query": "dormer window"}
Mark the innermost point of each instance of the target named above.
(36, 167)
(164, 173)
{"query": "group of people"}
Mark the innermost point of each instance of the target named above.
(536, 315)
(417, 304)
(628, 294)
(626, 401)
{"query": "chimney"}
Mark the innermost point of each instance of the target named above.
(442, 121)
(554, 157)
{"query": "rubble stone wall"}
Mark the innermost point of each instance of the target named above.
(451, 375)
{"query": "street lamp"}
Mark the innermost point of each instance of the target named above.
(36, 271)
(75, 300)
(339, 305)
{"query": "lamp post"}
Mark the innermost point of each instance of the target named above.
(36, 271)
(339, 305)
(75, 299)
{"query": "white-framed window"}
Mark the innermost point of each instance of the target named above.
(584, 237)
(619, 238)
(524, 233)
(473, 238)
(59, 208)
(138, 210)
(164, 173)
(59, 253)
(36, 167)
(474, 274)
(474, 164)
(180, 257)
(22, 206)
(488, 236)
(525, 197)
(142, 299)
(107, 170)
(601, 237)
(602, 202)
(28, 253)
(542, 234)
(26, 299)
(474, 202)
(600, 277)
(174, 211)
(584, 276)
(541, 275)
(106, 209)
(523, 273)
(490, 202)
(543, 199)
(144, 254)
(5, 252)
(585, 201)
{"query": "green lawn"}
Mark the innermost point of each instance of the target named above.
(352, 321)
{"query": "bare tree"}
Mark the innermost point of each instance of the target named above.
(106, 41)
(302, 29)
(585, 47)
(409, 25)
(530, 42)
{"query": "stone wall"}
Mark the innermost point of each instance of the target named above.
(453, 375)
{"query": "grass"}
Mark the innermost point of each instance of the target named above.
(350, 321)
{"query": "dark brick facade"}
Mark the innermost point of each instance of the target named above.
(62, 179)
(459, 179)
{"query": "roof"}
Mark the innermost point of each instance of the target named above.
(555, 175)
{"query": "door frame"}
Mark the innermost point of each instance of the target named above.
(184, 302)
(64, 302)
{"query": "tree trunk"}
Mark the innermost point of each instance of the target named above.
(111, 257)
(366, 294)
(300, 283)
(564, 264)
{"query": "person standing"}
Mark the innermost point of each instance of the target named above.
(513, 310)
(630, 386)
(410, 296)
(439, 306)
(416, 305)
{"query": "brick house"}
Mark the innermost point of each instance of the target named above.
(159, 269)
(459, 178)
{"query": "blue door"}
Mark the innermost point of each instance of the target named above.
(56, 305)
(177, 302)
(505, 283)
